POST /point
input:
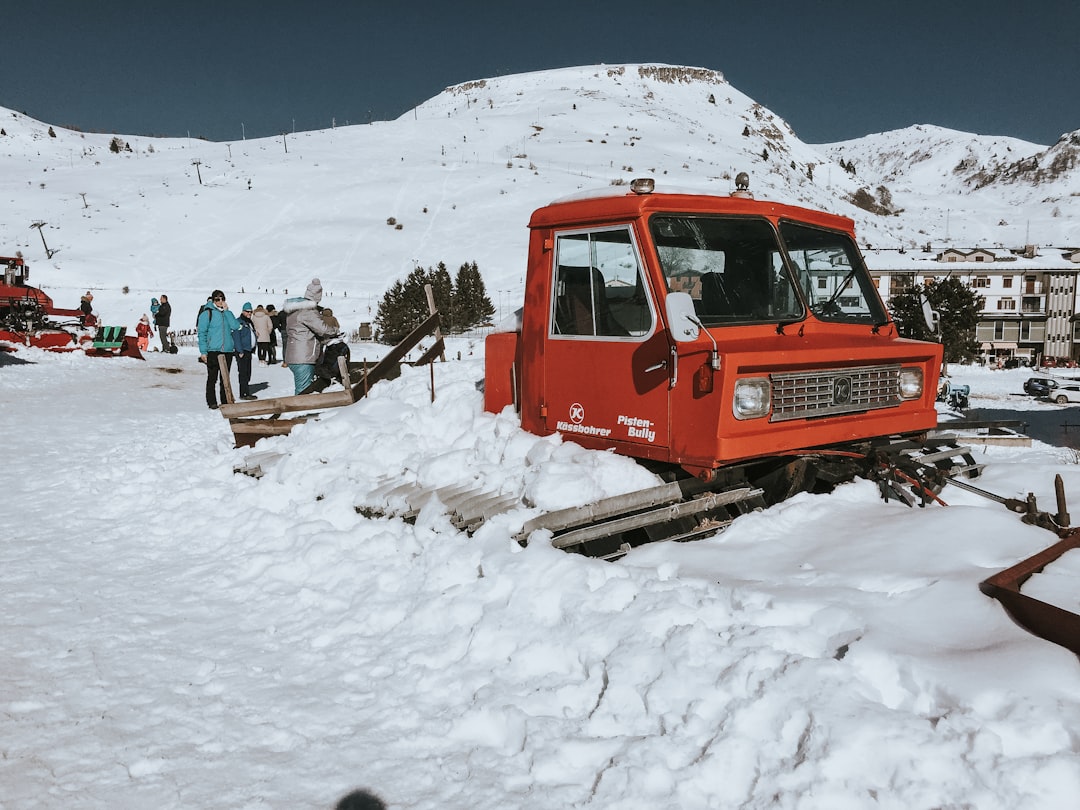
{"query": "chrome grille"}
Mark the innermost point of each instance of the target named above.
(806, 394)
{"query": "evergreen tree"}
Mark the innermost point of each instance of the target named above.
(442, 290)
(472, 306)
(390, 317)
(462, 303)
(958, 307)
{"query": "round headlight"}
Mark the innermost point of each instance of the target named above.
(751, 398)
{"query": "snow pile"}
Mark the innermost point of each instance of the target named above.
(180, 635)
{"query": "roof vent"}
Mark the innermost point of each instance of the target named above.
(742, 186)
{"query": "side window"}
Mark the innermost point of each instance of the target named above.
(599, 288)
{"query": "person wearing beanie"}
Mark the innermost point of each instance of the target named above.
(244, 343)
(216, 325)
(305, 327)
(144, 332)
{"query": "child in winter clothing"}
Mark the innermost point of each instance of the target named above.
(144, 332)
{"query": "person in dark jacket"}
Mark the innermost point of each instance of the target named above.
(244, 343)
(216, 325)
(161, 320)
(86, 306)
(281, 328)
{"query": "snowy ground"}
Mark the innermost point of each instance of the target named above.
(177, 635)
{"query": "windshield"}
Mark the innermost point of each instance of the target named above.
(730, 266)
(831, 273)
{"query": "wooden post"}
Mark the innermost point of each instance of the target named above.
(224, 366)
(438, 329)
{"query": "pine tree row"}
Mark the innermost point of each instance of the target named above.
(463, 303)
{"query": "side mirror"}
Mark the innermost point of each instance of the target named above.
(930, 316)
(681, 316)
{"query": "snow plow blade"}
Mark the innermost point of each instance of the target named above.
(1039, 618)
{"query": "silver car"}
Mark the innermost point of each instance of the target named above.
(1064, 394)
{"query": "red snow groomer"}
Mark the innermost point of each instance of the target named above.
(738, 348)
(29, 318)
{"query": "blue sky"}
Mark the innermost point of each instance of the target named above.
(834, 70)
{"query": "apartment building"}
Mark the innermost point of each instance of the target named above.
(1031, 307)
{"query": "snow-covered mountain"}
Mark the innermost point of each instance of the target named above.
(456, 178)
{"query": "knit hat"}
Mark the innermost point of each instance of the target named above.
(144, 319)
(247, 306)
(314, 290)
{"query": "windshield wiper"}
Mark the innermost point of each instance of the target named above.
(843, 286)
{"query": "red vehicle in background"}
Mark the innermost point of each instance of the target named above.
(29, 318)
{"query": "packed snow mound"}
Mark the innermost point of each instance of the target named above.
(169, 624)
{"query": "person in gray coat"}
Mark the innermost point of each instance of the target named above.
(304, 326)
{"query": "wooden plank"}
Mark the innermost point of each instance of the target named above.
(430, 355)
(343, 367)
(266, 427)
(438, 332)
(296, 402)
(382, 368)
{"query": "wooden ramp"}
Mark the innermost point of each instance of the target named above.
(256, 419)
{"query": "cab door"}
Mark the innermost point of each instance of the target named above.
(606, 365)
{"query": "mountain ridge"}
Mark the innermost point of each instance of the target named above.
(460, 174)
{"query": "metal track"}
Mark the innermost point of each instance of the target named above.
(689, 508)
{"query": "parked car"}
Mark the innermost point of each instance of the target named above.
(1064, 394)
(1039, 386)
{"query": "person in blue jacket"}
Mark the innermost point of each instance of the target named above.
(244, 341)
(216, 325)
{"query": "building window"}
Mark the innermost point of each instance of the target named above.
(1006, 303)
(901, 282)
(1006, 282)
(999, 330)
(980, 282)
